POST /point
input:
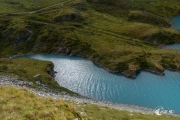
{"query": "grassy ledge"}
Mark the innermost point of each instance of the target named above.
(18, 103)
(27, 69)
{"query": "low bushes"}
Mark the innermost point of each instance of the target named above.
(122, 66)
(3, 68)
(150, 18)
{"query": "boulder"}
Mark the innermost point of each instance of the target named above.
(37, 76)
(21, 36)
(73, 16)
(7, 33)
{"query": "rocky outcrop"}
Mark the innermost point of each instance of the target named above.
(14, 81)
(37, 76)
(129, 73)
(9, 80)
(7, 33)
(50, 70)
(156, 72)
(133, 73)
(22, 36)
(73, 16)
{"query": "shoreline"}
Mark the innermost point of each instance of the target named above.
(46, 92)
(128, 73)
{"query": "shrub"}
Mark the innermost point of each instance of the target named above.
(122, 66)
(143, 62)
(168, 63)
(95, 55)
(166, 37)
(172, 66)
(3, 68)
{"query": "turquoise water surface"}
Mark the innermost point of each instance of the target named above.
(176, 22)
(173, 46)
(147, 90)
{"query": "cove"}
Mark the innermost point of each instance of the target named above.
(147, 90)
(175, 25)
(176, 22)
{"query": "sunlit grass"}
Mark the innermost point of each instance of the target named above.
(20, 104)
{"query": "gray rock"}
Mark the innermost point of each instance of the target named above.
(38, 83)
(21, 36)
(69, 17)
(37, 76)
(7, 33)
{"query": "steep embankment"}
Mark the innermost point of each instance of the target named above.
(121, 36)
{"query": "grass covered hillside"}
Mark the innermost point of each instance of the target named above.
(19, 104)
(119, 35)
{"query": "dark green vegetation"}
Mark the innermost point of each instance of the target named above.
(19, 104)
(27, 69)
(121, 35)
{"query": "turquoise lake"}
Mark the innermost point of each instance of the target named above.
(147, 90)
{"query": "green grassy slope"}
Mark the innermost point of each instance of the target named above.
(19, 104)
(120, 36)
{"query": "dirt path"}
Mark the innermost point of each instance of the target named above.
(31, 12)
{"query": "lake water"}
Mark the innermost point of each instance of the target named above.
(174, 46)
(176, 22)
(147, 90)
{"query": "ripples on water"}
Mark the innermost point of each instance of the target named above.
(147, 90)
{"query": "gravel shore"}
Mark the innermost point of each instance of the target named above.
(46, 92)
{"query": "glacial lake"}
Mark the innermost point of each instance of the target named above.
(147, 90)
